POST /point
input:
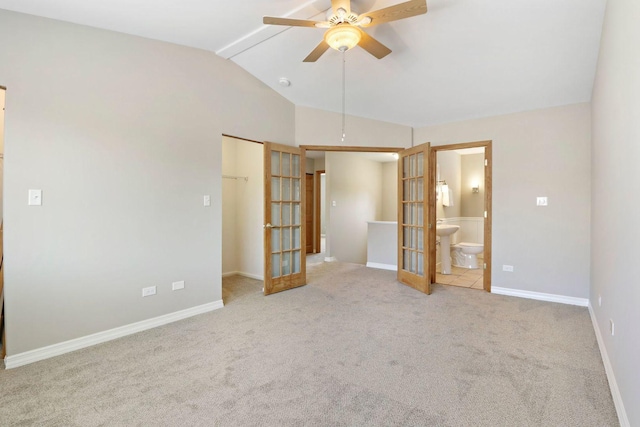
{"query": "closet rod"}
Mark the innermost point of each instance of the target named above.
(246, 178)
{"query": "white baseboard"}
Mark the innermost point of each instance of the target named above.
(382, 266)
(243, 274)
(608, 368)
(583, 302)
(31, 356)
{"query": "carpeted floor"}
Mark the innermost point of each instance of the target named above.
(352, 348)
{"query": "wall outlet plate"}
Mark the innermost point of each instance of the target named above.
(177, 285)
(542, 201)
(508, 268)
(148, 291)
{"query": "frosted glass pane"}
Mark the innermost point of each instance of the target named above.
(275, 189)
(296, 189)
(420, 166)
(414, 190)
(295, 167)
(286, 164)
(275, 240)
(406, 213)
(275, 163)
(421, 239)
(286, 263)
(296, 214)
(406, 257)
(286, 188)
(420, 194)
(420, 219)
(405, 167)
(420, 269)
(296, 238)
(296, 262)
(406, 192)
(275, 265)
(414, 238)
(414, 213)
(412, 166)
(414, 262)
(406, 239)
(275, 214)
(286, 238)
(286, 214)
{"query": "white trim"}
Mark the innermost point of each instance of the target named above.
(42, 353)
(382, 266)
(608, 368)
(583, 302)
(330, 259)
(250, 276)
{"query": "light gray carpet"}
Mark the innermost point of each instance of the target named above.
(352, 348)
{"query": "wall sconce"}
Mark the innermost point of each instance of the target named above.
(475, 187)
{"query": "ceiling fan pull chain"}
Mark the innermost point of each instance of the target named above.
(344, 86)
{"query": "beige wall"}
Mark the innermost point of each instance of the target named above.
(615, 203)
(389, 191)
(2, 101)
(230, 264)
(449, 167)
(123, 135)
(537, 153)
(471, 170)
(355, 184)
(318, 127)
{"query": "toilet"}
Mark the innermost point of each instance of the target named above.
(466, 254)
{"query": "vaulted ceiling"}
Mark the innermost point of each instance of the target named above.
(463, 59)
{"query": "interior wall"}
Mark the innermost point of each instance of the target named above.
(230, 264)
(536, 153)
(471, 170)
(389, 191)
(2, 102)
(615, 203)
(449, 165)
(123, 135)
(354, 183)
(318, 127)
(250, 209)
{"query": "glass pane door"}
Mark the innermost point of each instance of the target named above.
(413, 256)
(284, 210)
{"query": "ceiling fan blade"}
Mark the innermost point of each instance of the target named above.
(270, 20)
(394, 13)
(344, 4)
(373, 46)
(317, 52)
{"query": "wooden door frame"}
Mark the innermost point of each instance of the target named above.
(317, 216)
(488, 180)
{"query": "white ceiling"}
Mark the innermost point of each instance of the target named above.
(463, 59)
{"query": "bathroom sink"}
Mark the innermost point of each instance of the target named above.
(446, 229)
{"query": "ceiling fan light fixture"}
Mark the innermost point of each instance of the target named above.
(342, 37)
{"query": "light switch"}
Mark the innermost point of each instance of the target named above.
(541, 201)
(35, 197)
(334, 204)
(207, 200)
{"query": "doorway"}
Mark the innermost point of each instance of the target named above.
(460, 249)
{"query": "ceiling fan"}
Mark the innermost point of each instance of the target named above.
(344, 27)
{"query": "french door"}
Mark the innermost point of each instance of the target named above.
(413, 218)
(284, 218)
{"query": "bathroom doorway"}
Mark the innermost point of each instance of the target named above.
(460, 247)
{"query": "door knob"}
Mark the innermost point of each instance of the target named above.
(268, 225)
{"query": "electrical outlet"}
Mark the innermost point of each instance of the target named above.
(207, 200)
(612, 327)
(147, 292)
(541, 201)
(177, 285)
(35, 197)
(508, 268)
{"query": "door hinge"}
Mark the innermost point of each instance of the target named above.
(429, 226)
(485, 265)
(486, 162)
(485, 214)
